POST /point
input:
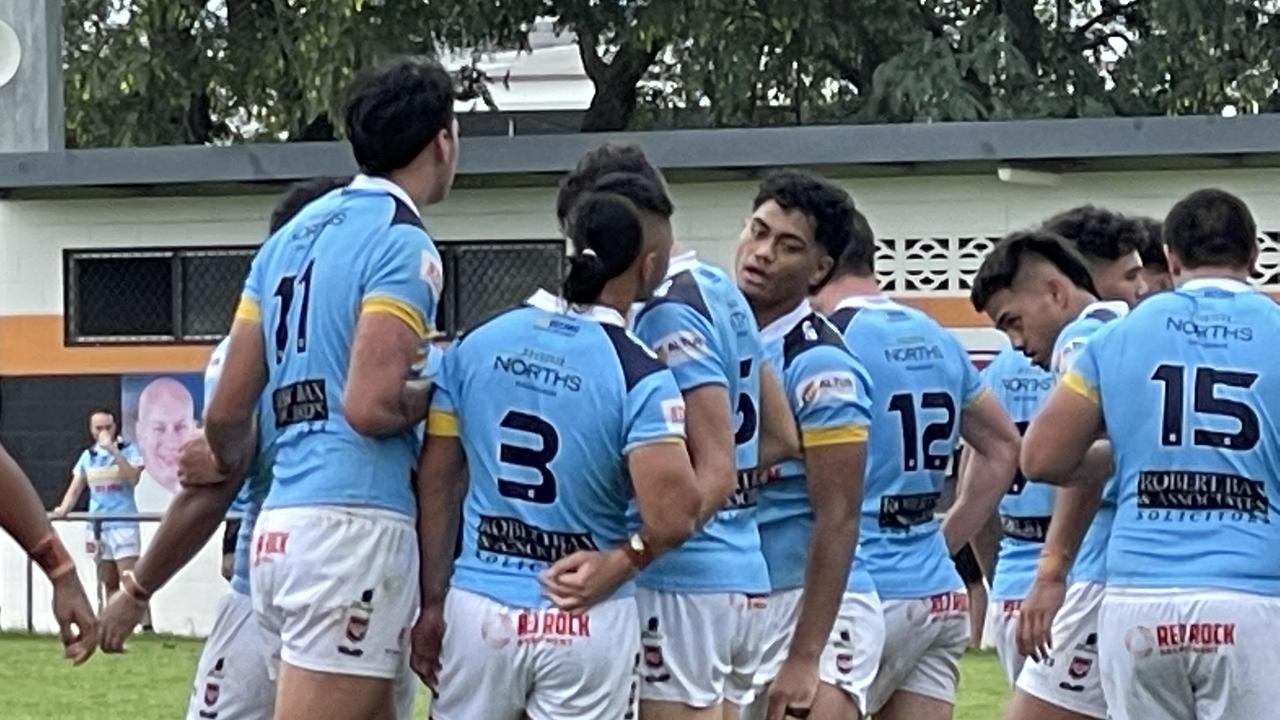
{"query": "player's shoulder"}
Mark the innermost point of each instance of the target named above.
(636, 360)
(682, 291)
(812, 337)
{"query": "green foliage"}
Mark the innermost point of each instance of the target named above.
(182, 71)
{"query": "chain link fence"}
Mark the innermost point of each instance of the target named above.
(482, 279)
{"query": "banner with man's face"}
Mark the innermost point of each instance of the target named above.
(159, 413)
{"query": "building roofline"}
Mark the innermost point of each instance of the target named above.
(1069, 144)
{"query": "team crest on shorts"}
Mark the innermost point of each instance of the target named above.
(358, 624)
(844, 663)
(213, 690)
(651, 639)
(1079, 667)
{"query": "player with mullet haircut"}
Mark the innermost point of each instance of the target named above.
(1155, 265)
(1186, 386)
(808, 511)
(1110, 244)
(1039, 291)
(546, 422)
(332, 321)
(701, 604)
(927, 396)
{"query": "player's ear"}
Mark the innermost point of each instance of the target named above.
(825, 263)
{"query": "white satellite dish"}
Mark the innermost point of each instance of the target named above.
(10, 53)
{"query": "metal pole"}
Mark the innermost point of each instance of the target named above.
(31, 601)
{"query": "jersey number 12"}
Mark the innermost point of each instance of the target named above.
(913, 443)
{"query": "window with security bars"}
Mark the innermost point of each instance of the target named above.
(162, 295)
(189, 295)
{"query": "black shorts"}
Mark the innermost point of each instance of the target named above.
(967, 565)
(229, 537)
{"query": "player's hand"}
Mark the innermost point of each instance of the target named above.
(1035, 619)
(792, 692)
(586, 577)
(76, 624)
(121, 615)
(427, 638)
(196, 465)
(58, 512)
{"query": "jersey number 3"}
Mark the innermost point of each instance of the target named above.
(285, 291)
(543, 493)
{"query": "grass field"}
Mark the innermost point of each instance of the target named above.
(152, 680)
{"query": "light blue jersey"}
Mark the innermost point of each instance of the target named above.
(1091, 561)
(830, 395)
(1190, 392)
(108, 492)
(1021, 388)
(701, 326)
(248, 501)
(547, 402)
(356, 250)
(924, 379)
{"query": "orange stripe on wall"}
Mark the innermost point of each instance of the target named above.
(33, 345)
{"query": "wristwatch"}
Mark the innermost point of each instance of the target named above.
(637, 552)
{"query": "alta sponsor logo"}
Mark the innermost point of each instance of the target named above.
(680, 347)
(828, 385)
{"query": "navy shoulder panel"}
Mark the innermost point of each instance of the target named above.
(1102, 315)
(842, 317)
(683, 289)
(813, 331)
(637, 363)
(404, 215)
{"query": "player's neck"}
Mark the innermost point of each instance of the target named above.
(1215, 271)
(416, 184)
(842, 288)
(1079, 300)
(765, 315)
(618, 295)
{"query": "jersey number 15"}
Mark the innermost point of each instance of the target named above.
(1205, 401)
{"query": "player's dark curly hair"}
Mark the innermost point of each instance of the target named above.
(827, 206)
(1152, 250)
(609, 159)
(1000, 268)
(607, 236)
(299, 195)
(1097, 232)
(1212, 228)
(394, 111)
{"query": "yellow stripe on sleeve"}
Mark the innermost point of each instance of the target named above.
(1075, 382)
(248, 310)
(398, 308)
(833, 436)
(974, 401)
(442, 423)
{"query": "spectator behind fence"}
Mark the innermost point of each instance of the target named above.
(111, 468)
(166, 417)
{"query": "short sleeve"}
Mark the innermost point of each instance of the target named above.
(250, 307)
(830, 392)
(1083, 375)
(442, 418)
(682, 338)
(82, 464)
(654, 411)
(133, 455)
(971, 385)
(404, 278)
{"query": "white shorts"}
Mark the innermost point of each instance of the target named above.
(1188, 653)
(336, 589)
(118, 543)
(503, 663)
(1071, 677)
(1003, 626)
(924, 641)
(700, 649)
(231, 677)
(853, 649)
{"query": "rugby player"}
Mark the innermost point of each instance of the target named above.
(110, 467)
(1039, 291)
(808, 515)
(1187, 388)
(1155, 265)
(544, 421)
(699, 604)
(22, 516)
(334, 315)
(927, 395)
(1110, 244)
(231, 679)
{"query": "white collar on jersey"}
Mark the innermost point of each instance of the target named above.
(776, 329)
(368, 182)
(1116, 306)
(1228, 284)
(544, 300)
(879, 300)
(686, 260)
